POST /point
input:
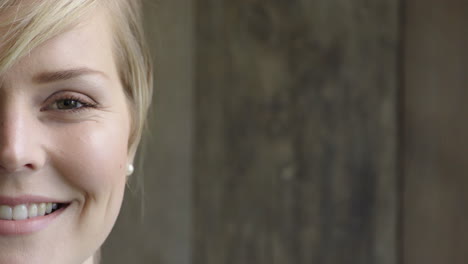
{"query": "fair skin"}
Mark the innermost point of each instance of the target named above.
(64, 129)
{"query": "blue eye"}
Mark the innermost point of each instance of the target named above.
(68, 104)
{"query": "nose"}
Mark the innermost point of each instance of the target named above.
(19, 149)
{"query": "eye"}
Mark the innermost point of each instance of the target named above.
(69, 103)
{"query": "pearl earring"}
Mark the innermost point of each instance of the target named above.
(130, 169)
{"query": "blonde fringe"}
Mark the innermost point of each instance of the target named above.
(35, 23)
(28, 24)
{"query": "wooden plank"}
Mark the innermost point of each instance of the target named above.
(436, 126)
(296, 132)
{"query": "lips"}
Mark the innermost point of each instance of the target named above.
(27, 214)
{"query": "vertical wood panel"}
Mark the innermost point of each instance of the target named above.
(296, 132)
(436, 132)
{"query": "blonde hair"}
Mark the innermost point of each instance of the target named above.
(29, 23)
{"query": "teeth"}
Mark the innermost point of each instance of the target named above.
(32, 212)
(24, 211)
(41, 209)
(20, 212)
(48, 208)
(6, 213)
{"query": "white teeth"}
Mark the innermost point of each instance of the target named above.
(48, 208)
(41, 209)
(32, 210)
(6, 213)
(20, 212)
(25, 211)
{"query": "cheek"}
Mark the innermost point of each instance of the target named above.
(92, 157)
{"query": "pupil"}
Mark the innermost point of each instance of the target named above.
(67, 104)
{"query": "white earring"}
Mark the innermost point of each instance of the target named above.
(130, 169)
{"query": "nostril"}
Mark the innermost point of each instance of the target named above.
(15, 166)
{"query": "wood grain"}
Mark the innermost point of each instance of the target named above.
(296, 132)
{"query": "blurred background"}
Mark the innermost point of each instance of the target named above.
(302, 131)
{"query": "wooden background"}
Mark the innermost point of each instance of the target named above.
(436, 129)
(296, 132)
(303, 131)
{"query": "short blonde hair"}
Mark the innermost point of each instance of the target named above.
(29, 23)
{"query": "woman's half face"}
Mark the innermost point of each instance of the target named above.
(64, 129)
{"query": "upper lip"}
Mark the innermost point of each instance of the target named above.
(27, 199)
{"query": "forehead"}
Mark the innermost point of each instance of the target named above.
(88, 43)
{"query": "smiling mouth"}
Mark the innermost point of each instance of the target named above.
(28, 211)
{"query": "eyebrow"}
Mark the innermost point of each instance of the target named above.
(55, 76)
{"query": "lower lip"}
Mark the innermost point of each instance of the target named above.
(28, 226)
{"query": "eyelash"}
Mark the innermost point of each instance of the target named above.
(84, 104)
